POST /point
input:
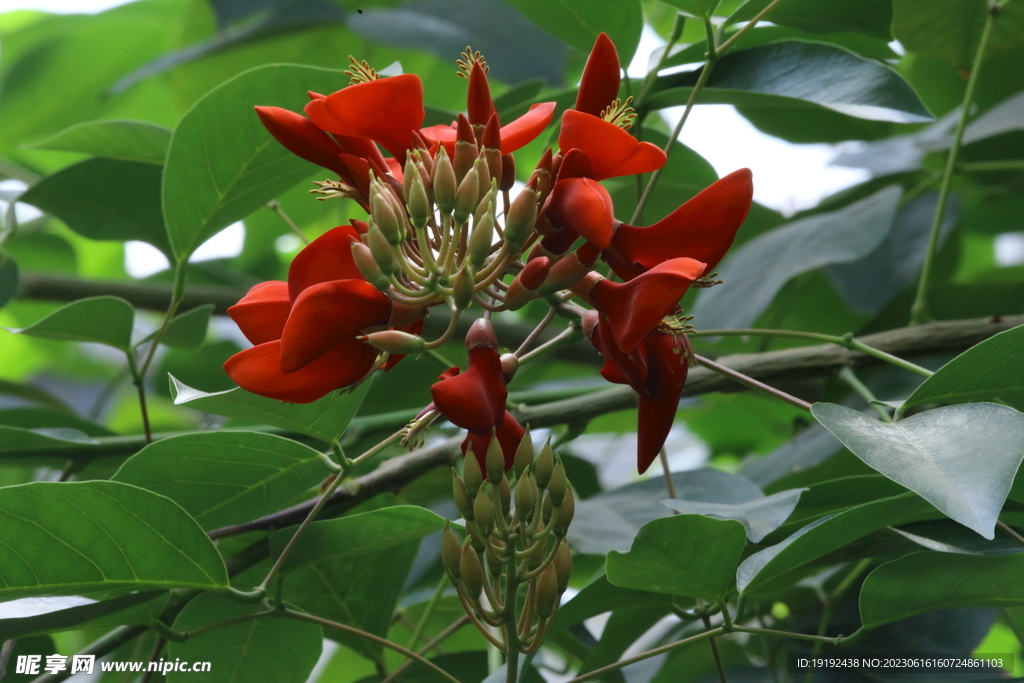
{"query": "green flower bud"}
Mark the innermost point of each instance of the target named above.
(363, 258)
(480, 240)
(558, 484)
(562, 563)
(384, 214)
(472, 473)
(547, 593)
(483, 512)
(451, 551)
(495, 461)
(522, 215)
(546, 509)
(471, 572)
(444, 182)
(524, 454)
(565, 514)
(419, 203)
(409, 174)
(461, 496)
(380, 249)
(483, 176)
(396, 342)
(537, 556)
(466, 198)
(464, 287)
(526, 496)
(486, 205)
(505, 496)
(545, 465)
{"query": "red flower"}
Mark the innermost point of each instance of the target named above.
(305, 330)
(583, 206)
(656, 369)
(703, 228)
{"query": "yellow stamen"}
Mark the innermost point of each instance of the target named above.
(620, 113)
(360, 72)
(469, 58)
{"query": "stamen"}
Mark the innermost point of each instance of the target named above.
(469, 58)
(620, 113)
(360, 72)
(676, 324)
(706, 281)
(335, 189)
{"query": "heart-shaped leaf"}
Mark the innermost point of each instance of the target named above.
(759, 517)
(961, 459)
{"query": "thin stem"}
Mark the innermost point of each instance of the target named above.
(848, 376)
(100, 647)
(347, 467)
(1010, 532)
(157, 649)
(292, 614)
(753, 383)
(670, 486)
(532, 337)
(727, 45)
(789, 634)
(140, 387)
(431, 644)
(714, 649)
(566, 336)
(428, 610)
(1002, 165)
(920, 312)
(177, 294)
(275, 206)
(647, 655)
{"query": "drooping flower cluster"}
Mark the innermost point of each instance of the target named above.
(443, 229)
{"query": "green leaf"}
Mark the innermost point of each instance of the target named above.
(334, 539)
(47, 615)
(951, 29)
(921, 582)
(8, 278)
(264, 650)
(755, 273)
(325, 419)
(100, 319)
(105, 199)
(804, 75)
(222, 164)
(701, 9)
(599, 597)
(872, 17)
(827, 534)
(946, 536)
(759, 517)
(71, 538)
(114, 139)
(961, 459)
(685, 555)
(186, 330)
(223, 478)
(579, 22)
(990, 370)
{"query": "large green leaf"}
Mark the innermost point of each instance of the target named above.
(265, 650)
(105, 199)
(951, 29)
(759, 517)
(755, 273)
(827, 534)
(222, 164)
(990, 370)
(599, 597)
(325, 419)
(225, 477)
(114, 139)
(71, 538)
(17, 438)
(578, 22)
(334, 539)
(687, 555)
(961, 459)
(100, 319)
(803, 75)
(921, 582)
(47, 615)
(186, 330)
(825, 16)
(702, 9)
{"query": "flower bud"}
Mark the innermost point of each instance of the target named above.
(363, 258)
(558, 484)
(495, 461)
(565, 514)
(444, 182)
(396, 342)
(509, 366)
(384, 214)
(487, 204)
(480, 239)
(471, 573)
(522, 215)
(481, 333)
(483, 512)
(569, 270)
(472, 473)
(547, 593)
(505, 496)
(409, 174)
(464, 287)
(496, 568)
(451, 551)
(524, 454)
(465, 156)
(508, 173)
(525, 497)
(546, 509)
(419, 203)
(483, 176)
(563, 565)
(466, 197)
(494, 160)
(381, 251)
(461, 496)
(545, 466)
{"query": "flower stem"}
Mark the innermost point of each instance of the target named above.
(714, 650)
(140, 386)
(566, 336)
(753, 383)
(919, 311)
(532, 337)
(275, 206)
(848, 376)
(431, 644)
(177, 294)
(647, 655)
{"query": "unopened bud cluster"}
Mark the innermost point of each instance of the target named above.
(514, 564)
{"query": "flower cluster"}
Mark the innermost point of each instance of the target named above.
(444, 229)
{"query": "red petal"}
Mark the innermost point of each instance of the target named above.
(474, 399)
(258, 370)
(575, 164)
(612, 151)
(328, 257)
(667, 368)
(702, 228)
(303, 138)
(584, 206)
(261, 313)
(386, 111)
(510, 433)
(635, 307)
(600, 82)
(478, 98)
(619, 367)
(327, 314)
(523, 130)
(360, 147)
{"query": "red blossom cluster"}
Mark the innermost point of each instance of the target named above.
(356, 297)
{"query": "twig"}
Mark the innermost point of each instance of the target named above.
(753, 383)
